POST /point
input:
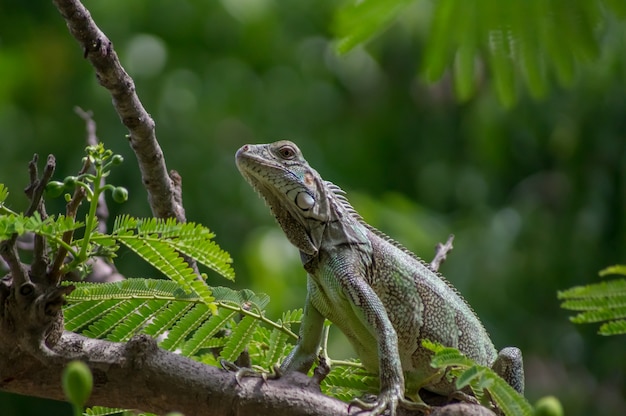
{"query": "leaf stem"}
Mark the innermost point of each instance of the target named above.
(258, 316)
(7, 211)
(91, 216)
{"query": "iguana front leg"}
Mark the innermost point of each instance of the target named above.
(303, 355)
(369, 310)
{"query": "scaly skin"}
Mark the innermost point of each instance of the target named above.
(384, 299)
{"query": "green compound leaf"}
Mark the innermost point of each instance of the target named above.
(239, 338)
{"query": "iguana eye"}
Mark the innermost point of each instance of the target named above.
(287, 152)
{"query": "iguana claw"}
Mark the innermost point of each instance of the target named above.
(388, 400)
(241, 372)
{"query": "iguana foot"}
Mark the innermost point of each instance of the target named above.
(388, 400)
(321, 371)
(241, 372)
(462, 397)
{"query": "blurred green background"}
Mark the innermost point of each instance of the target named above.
(534, 193)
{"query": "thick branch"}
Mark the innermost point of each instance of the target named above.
(98, 49)
(139, 375)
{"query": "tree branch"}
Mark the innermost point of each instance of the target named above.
(98, 49)
(441, 253)
(139, 375)
(35, 191)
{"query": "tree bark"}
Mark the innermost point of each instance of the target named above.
(139, 375)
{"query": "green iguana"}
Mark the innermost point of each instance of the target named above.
(384, 299)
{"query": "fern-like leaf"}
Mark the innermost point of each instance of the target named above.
(201, 338)
(599, 290)
(507, 399)
(518, 39)
(80, 315)
(191, 239)
(108, 411)
(239, 338)
(618, 269)
(357, 22)
(4, 193)
(479, 378)
(186, 326)
(136, 321)
(617, 327)
(599, 302)
(161, 242)
(346, 383)
(599, 315)
(115, 317)
(292, 317)
(161, 308)
(167, 318)
(162, 256)
(126, 289)
(277, 346)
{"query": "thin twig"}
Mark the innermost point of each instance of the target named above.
(8, 251)
(90, 125)
(37, 186)
(35, 192)
(71, 210)
(441, 252)
(102, 211)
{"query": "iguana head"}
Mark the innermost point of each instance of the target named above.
(294, 191)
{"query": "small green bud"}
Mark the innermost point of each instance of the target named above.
(67, 197)
(70, 181)
(548, 406)
(77, 382)
(120, 194)
(54, 188)
(117, 160)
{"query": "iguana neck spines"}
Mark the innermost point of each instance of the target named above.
(384, 298)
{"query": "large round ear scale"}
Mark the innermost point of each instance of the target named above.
(304, 201)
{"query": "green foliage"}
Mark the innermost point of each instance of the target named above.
(360, 21)
(77, 382)
(483, 381)
(600, 302)
(107, 411)
(160, 242)
(549, 406)
(349, 380)
(4, 193)
(180, 320)
(52, 227)
(528, 39)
